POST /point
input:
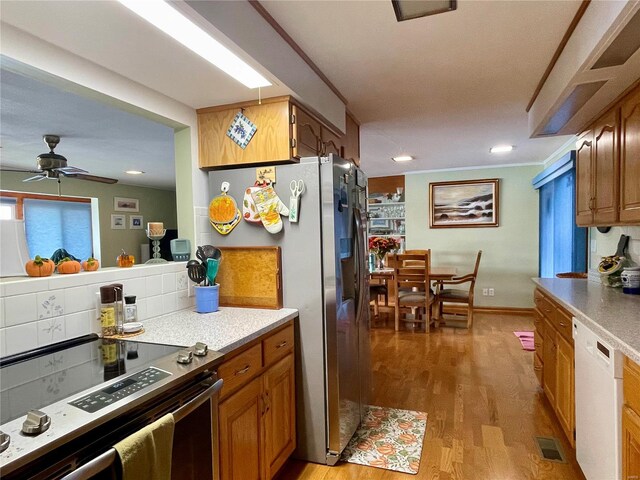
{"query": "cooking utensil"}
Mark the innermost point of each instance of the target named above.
(196, 271)
(212, 270)
(211, 252)
(200, 254)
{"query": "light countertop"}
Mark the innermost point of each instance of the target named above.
(611, 314)
(223, 331)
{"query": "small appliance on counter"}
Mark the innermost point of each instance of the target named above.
(180, 249)
(630, 278)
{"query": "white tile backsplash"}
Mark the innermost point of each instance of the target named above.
(21, 337)
(20, 309)
(50, 304)
(37, 312)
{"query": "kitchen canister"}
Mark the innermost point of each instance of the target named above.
(631, 280)
(207, 298)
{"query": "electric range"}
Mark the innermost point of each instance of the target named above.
(53, 395)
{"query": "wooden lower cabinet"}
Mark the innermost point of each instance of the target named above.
(631, 421)
(630, 444)
(279, 418)
(565, 389)
(257, 424)
(241, 433)
(553, 361)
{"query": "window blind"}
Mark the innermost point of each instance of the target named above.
(50, 225)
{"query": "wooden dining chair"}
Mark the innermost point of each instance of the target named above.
(412, 287)
(458, 295)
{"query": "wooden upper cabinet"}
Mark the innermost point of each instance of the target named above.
(271, 142)
(605, 169)
(306, 134)
(584, 176)
(351, 141)
(630, 159)
(331, 143)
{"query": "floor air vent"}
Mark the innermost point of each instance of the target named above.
(549, 448)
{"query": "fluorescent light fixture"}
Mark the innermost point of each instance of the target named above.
(402, 158)
(163, 16)
(408, 9)
(134, 172)
(501, 149)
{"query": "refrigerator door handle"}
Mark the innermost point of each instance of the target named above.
(361, 266)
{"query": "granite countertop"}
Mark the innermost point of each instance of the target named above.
(223, 331)
(611, 314)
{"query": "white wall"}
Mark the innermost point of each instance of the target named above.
(510, 251)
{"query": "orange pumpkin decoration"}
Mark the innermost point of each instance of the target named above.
(124, 260)
(66, 265)
(90, 265)
(40, 267)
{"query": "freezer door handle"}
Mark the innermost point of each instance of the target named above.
(359, 233)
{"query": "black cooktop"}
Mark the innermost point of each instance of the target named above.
(44, 376)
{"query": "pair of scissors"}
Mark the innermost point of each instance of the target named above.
(296, 188)
(294, 202)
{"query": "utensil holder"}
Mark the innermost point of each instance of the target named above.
(207, 298)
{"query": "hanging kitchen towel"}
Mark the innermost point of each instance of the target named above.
(249, 210)
(147, 453)
(270, 207)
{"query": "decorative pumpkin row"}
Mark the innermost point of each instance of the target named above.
(44, 267)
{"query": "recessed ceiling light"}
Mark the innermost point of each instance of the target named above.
(163, 16)
(402, 158)
(501, 149)
(134, 172)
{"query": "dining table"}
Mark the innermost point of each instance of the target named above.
(384, 275)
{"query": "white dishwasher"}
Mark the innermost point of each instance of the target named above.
(598, 396)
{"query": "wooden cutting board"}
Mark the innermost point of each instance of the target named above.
(250, 277)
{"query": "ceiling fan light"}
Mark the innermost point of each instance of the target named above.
(402, 158)
(501, 148)
(134, 172)
(163, 16)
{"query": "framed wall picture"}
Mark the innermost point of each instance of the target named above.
(135, 222)
(467, 203)
(118, 221)
(121, 204)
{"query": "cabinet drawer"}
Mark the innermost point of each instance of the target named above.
(537, 367)
(631, 384)
(277, 345)
(239, 370)
(543, 303)
(563, 323)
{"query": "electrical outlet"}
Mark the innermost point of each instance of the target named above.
(485, 292)
(492, 292)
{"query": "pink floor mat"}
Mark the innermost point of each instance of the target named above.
(526, 340)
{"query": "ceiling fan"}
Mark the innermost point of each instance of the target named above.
(51, 165)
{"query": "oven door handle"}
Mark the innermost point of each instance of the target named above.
(194, 403)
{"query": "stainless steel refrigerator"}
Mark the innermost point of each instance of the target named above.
(325, 276)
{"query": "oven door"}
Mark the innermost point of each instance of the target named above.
(195, 441)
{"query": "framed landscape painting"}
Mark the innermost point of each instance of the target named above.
(466, 203)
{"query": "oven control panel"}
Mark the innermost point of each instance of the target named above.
(119, 390)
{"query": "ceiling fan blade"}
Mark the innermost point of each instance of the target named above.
(36, 178)
(21, 170)
(92, 178)
(70, 170)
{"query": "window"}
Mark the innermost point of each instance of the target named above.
(52, 222)
(50, 225)
(563, 245)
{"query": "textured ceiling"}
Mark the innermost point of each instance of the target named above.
(443, 88)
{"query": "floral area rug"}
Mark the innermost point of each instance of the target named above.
(388, 438)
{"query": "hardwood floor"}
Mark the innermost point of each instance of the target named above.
(483, 401)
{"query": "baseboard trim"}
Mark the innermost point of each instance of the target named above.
(495, 310)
